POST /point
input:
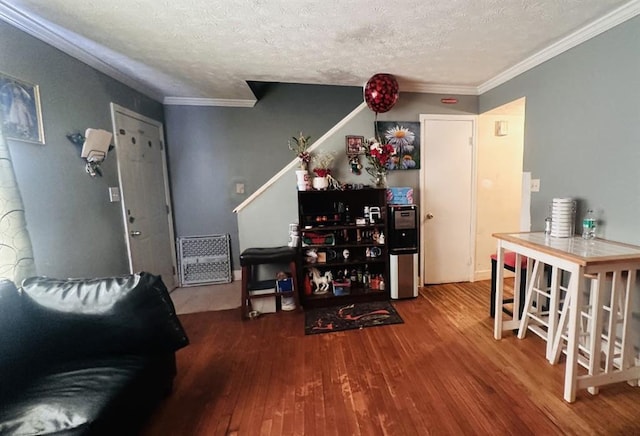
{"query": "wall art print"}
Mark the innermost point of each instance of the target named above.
(404, 136)
(21, 113)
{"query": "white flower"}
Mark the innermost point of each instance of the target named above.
(400, 137)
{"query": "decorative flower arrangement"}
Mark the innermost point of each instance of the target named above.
(322, 162)
(300, 149)
(381, 158)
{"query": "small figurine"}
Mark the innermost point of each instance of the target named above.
(376, 236)
(356, 166)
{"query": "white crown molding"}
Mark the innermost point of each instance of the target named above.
(609, 21)
(196, 101)
(37, 28)
(47, 33)
(439, 89)
(295, 162)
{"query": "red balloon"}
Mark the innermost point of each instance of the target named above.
(381, 92)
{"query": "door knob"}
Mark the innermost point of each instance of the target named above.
(429, 216)
(135, 233)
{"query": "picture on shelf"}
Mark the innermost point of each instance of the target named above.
(404, 136)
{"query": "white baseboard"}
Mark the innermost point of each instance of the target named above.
(237, 274)
(481, 275)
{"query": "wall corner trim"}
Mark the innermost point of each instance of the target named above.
(595, 28)
(295, 162)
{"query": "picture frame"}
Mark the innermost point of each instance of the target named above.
(354, 144)
(404, 136)
(21, 110)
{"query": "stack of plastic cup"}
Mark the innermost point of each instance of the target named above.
(563, 214)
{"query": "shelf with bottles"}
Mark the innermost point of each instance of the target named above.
(341, 209)
(344, 236)
(357, 253)
(343, 254)
(338, 281)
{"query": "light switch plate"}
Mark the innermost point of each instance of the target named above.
(114, 194)
(535, 185)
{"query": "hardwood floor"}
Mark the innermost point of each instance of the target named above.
(441, 372)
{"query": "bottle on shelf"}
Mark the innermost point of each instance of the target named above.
(589, 224)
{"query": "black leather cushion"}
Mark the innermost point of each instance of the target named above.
(16, 338)
(258, 256)
(88, 397)
(93, 317)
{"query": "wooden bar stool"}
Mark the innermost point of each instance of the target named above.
(251, 258)
(510, 265)
(604, 347)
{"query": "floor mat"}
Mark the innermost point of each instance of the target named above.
(351, 316)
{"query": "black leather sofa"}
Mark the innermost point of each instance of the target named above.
(85, 357)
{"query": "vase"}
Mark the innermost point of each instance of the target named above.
(303, 180)
(380, 179)
(320, 183)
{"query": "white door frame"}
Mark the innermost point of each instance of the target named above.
(117, 108)
(473, 187)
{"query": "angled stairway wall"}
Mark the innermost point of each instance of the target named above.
(263, 219)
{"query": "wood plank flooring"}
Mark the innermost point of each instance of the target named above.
(441, 373)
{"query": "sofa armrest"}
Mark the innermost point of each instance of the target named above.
(86, 317)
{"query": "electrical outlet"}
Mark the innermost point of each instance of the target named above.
(535, 185)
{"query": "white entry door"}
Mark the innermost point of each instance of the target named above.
(446, 202)
(146, 205)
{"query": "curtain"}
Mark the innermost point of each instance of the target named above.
(16, 254)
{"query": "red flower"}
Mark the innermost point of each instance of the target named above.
(322, 172)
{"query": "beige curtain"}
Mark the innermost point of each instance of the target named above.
(16, 254)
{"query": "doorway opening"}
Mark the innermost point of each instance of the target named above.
(471, 187)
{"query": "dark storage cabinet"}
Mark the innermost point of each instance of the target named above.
(343, 247)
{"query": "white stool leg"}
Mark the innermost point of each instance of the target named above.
(595, 327)
(529, 299)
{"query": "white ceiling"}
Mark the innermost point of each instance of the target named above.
(203, 52)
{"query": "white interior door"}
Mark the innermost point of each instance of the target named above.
(144, 186)
(446, 187)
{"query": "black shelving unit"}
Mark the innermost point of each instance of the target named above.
(343, 254)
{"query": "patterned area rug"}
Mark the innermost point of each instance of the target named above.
(351, 316)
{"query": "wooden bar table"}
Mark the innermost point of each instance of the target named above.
(603, 328)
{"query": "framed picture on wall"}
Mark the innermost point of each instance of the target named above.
(20, 108)
(355, 145)
(404, 136)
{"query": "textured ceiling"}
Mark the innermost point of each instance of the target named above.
(209, 49)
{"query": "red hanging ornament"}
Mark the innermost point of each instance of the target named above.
(381, 92)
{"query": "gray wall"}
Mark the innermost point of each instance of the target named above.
(264, 221)
(258, 230)
(74, 229)
(582, 138)
(582, 134)
(213, 148)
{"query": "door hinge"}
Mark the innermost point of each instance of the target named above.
(167, 206)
